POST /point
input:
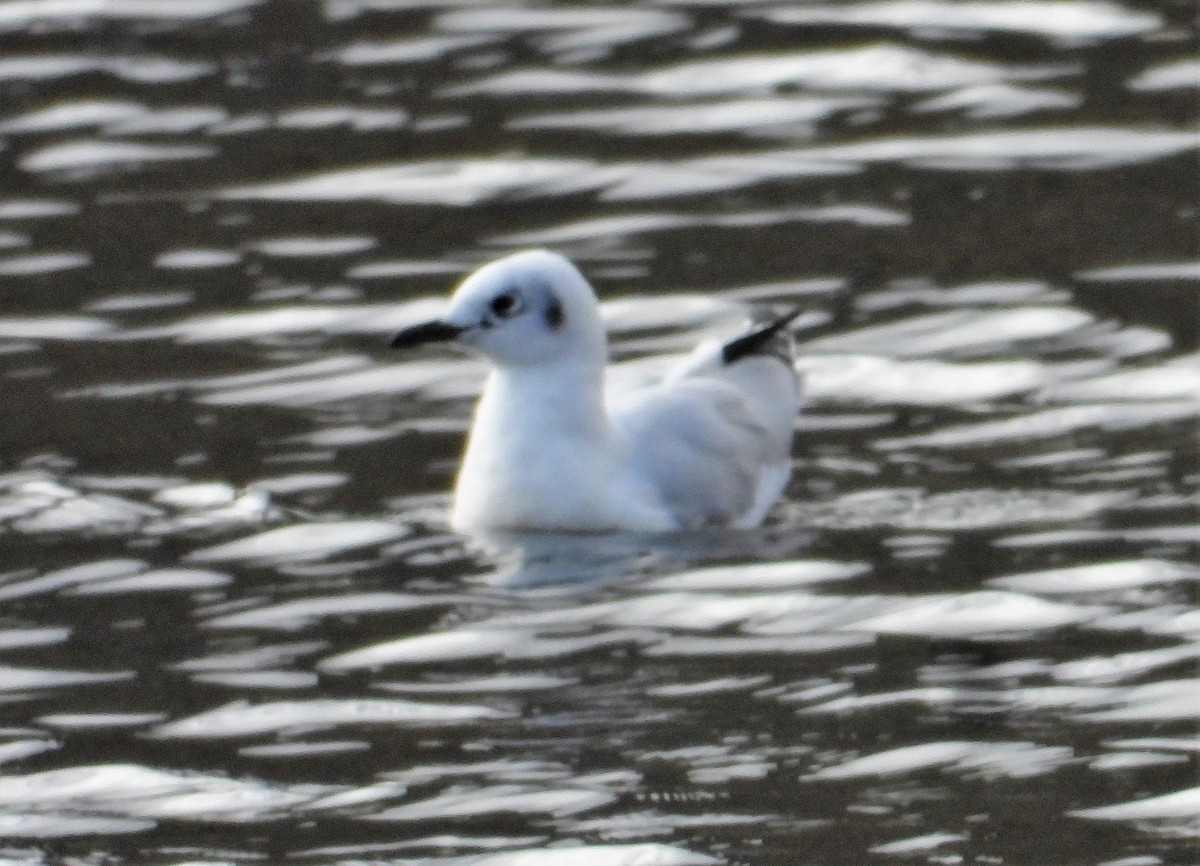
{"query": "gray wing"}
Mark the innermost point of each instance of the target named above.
(715, 438)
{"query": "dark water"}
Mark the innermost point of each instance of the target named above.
(233, 625)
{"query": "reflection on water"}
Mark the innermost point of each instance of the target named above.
(233, 624)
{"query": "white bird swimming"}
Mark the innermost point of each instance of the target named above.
(709, 445)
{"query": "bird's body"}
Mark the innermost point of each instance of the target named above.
(549, 448)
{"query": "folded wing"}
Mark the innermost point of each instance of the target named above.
(715, 436)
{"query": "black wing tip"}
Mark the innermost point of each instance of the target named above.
(752, 342)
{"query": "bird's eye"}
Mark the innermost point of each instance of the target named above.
(504, 305)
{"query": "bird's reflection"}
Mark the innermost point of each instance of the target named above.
(573, 561)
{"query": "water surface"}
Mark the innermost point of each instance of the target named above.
(234, 627)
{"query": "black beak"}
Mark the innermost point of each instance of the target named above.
(426, 332)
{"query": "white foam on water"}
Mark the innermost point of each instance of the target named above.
(767, 575)
(241, 719)
(197, 259)
(20, 825)
(1099, 577)
(358, 119)
(182, 120)
(380, 379)
(303, 613)
(201, 494)
(21, 14)
(912, 509)
(671, 311)
(29, 209)
(1015, 760)
(158, 580)
(1056, 537)
(1061, 148)
(144, 68)
(956, 331)
(133, 797)
(140, 301)
(315, 246)
(93, 513)
(1123, 762)
(1180, 804)
(977, 613)
(916, 845)
(639, 854)
(14, 679)
(500, 800)
(43, 263)
(1124, 666)
(257, 658)
(1070, 22)
(720, 685)
(906, 759)
(17, 638)
(1050, 423)
(600, 228)
(303, 542)
(399, 268)
(1180, 744)
(880, 68)
(99, 155)
(419, 49)
(291, 751)
(1165, 700)
(61, 578)
(646, 824)
(651, 180)
(987, 759)
(710, 611)
(305, 370)
(904, 293)
(251, 509)
(495, 684)
(1185, 624)
(497, 770)
(300, 482)
(19, 750)
(1150, 271)
(98, 720)
(535, 19)
(72, 115)
(13, 240)
(722, 647)
(873, 381)
(597, 227)
(742, 115)
(1177, 378)
(461, 183)
(54, 328)
(1177, 75)
(257, 680)
(997, 101)
(457, 645)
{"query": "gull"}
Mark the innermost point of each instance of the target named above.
(551, 449)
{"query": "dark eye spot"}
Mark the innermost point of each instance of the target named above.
(504, 305)
(554, 314)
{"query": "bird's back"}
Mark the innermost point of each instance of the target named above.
(715, 436)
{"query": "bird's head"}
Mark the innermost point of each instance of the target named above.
(530, 308)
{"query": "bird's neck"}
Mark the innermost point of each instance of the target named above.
(560, 398)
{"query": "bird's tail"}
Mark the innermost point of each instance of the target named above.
(770, 338)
